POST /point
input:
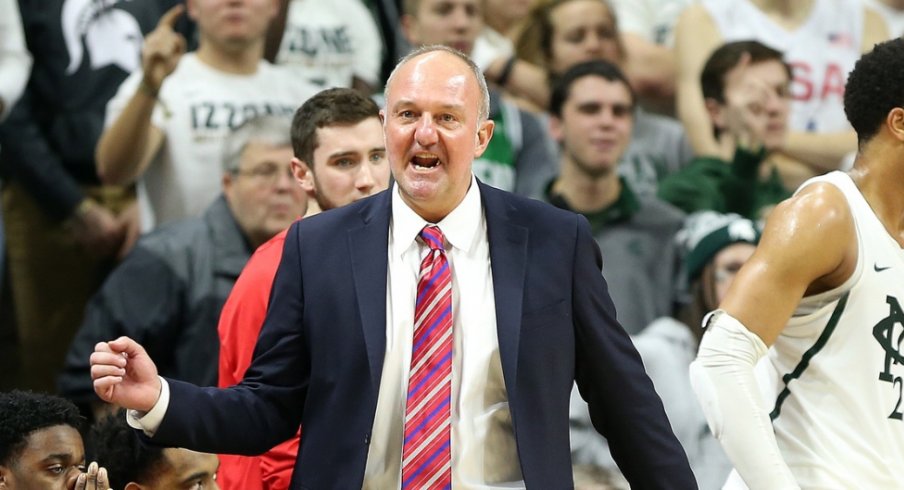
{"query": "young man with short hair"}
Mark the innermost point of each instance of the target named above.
(592, 111)
(41, 447)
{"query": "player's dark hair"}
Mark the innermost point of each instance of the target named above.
(874, 88)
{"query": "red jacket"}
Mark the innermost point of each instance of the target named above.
(240, 323)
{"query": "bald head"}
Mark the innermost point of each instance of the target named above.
(483, 109)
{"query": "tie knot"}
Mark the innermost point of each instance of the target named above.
(433, 237)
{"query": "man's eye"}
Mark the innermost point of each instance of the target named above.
(406, 114)
(56, 469)
(377, 157)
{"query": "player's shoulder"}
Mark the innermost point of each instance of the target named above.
(820, 206)
(814, 227)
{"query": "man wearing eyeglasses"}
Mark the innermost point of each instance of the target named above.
(169, 291)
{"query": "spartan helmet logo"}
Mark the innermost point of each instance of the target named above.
(111, 36)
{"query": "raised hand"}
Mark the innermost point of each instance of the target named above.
(124, 374)
(94, 479)
(162, 49)
(750, 104)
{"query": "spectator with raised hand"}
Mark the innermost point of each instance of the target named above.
(64, 229)
(167, 123)
(745, 85)
(820, 39)
(41, 447)
(170, 289)
(339, 151)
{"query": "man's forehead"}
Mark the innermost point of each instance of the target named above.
(59, 441)
(341, 138)
(594, 88)
(435, 68)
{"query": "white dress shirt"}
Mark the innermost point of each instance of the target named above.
(484, 455)
(483, 441)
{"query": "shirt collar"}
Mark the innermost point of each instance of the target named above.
(459, 227)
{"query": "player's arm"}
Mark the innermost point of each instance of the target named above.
(808, 246)
(696, 37)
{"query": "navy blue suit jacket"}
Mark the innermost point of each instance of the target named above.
(319, 358)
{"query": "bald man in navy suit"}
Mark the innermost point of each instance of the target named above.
(531, 315)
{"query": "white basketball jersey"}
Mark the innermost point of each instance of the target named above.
(834, 378)
(821, 51)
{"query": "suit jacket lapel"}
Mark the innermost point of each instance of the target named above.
(367, 242)
(508, 256)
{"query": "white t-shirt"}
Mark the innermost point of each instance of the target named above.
(198, 107)
(822, 51)
(652, 19)
(894, 18)
(329, 42)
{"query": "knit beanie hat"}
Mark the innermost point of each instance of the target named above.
(707, 232)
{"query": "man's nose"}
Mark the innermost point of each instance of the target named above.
(365, 181)
(425, 134)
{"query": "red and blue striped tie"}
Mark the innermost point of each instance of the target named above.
(426, 451)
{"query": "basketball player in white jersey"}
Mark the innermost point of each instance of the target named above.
(823, 300)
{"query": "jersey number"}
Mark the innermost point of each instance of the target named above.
(896, 414)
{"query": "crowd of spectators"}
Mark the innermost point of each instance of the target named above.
(149, 147)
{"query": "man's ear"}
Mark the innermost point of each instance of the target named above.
(484, 135)
(303, 175)
(5, 475)
(894, 121)
(228, 181)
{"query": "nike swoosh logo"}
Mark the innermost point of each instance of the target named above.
(880, 269)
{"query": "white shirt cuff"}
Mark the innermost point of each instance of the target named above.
(149, 422)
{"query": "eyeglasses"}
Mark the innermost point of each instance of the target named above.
(267, 173)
